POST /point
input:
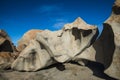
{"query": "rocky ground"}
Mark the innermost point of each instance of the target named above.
(67, 71)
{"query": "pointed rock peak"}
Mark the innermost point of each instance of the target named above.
(79, 21)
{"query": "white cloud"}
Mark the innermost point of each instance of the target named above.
(59, 25)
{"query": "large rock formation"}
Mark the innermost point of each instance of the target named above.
(59, 46)
(106, 49)
(7, 50)
(114, 22)
(67, 43)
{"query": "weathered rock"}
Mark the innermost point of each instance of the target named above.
(6, 50)
(102, 49)
(4, 35)
(114, 22)
(4, 41)
(60, 46)
(67, 43)
(106, 49)
(6, 59)
(32, 58)
(24, 41)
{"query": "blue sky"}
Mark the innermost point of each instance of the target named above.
(19, 16)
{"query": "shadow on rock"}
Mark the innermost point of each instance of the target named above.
(105, 46)
(59, 66)
(98, 70)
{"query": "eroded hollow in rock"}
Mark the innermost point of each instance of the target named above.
(116, 10)
(6, 47)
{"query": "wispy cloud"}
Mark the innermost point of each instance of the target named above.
(49, 8)
(59, 23)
